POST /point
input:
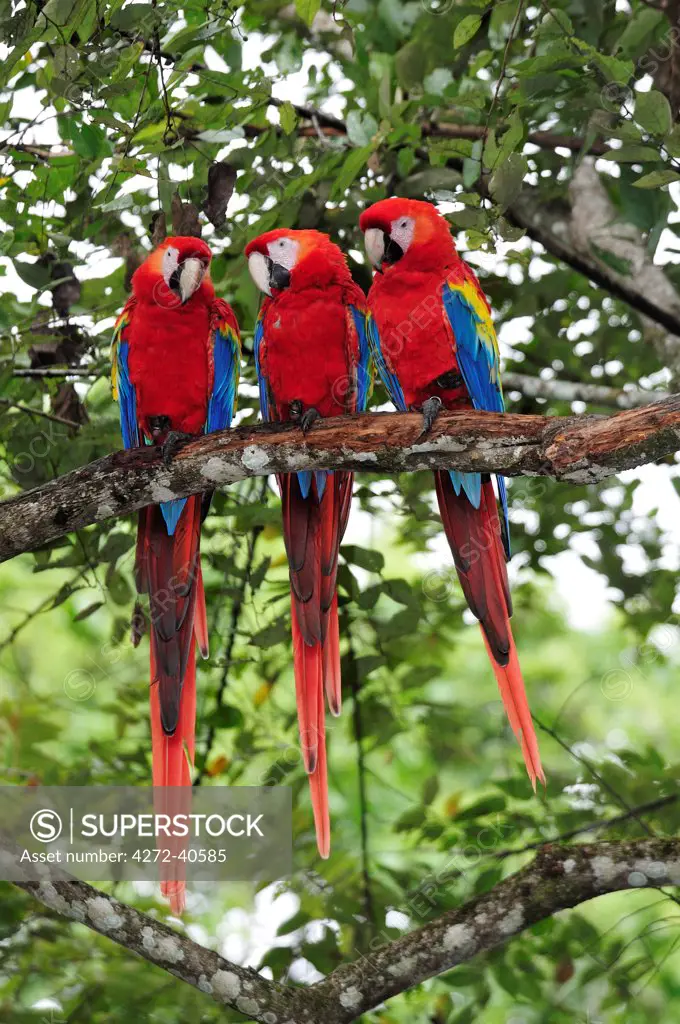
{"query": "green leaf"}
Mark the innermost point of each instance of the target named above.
(406, 161)
(288, 117)
(672, 142)
(430, 789)
(410, 820)
(506, 181)
(614, 70)
(219, 134)
(34, 274)
(90, 610)
(509, 141)
(275, 633)
(653, 112)
(353, 165)
(360, 128)
(632, 154)
(559, 57)
(480, 809)
(226, 717)
(639, 28)
(365, 558)
(466, 29)
(128, 60)
(307, 10)
(656, 179)
(121, 202)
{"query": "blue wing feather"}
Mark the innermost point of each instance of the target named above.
(226, 358)
(364, 375)
(388, 378)
(261, 379)
(123, 390)
(479, 362)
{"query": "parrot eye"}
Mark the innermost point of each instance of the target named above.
(170, 262)
(402, 232)
(284, 251)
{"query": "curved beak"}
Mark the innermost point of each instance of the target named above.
(382, 249)
(374, 240)
(266, 274)
(191, 273)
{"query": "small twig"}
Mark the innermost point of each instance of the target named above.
(37, 412)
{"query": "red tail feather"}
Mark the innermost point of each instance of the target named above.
(313, 529)
(331, 661)
(168, 569)
(475, 540)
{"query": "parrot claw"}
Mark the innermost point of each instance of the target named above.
(431, 409)
(308, 419)
(174, 441)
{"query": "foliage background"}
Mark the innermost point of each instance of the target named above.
(106, 109)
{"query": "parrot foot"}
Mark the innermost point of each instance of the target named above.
(173, 443)
(308, 419)
(430, 410)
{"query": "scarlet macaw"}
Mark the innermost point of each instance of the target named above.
(175, 369)
(312, 358)
(434, 345)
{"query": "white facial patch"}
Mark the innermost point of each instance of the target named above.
(170, 260)
(374, 240)
(402, 232)
(259, 271)
(284, 251)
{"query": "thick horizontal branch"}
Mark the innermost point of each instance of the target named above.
(560, 877)
(579, 449)
(228, 983)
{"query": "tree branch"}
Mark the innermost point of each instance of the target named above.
(576, 391)
(594, 228)
(580, 449)
(545, 140)
(544, 225)
(227, 983)
(560, 877)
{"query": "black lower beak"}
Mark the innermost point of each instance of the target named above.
(279, 277)
(393, 251)
(173, 283)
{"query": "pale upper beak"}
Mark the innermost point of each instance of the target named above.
(260, 267)
(267, 274)
(374, 240)
(190, 277)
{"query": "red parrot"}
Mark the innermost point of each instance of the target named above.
(175, 368)
(312, 359)
(434, 344)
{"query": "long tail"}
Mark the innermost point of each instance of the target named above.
(168, 569)
(313, 527)
(474, 536)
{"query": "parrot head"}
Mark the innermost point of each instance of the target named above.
(406, 231)
(287, 259)
(174, 271)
